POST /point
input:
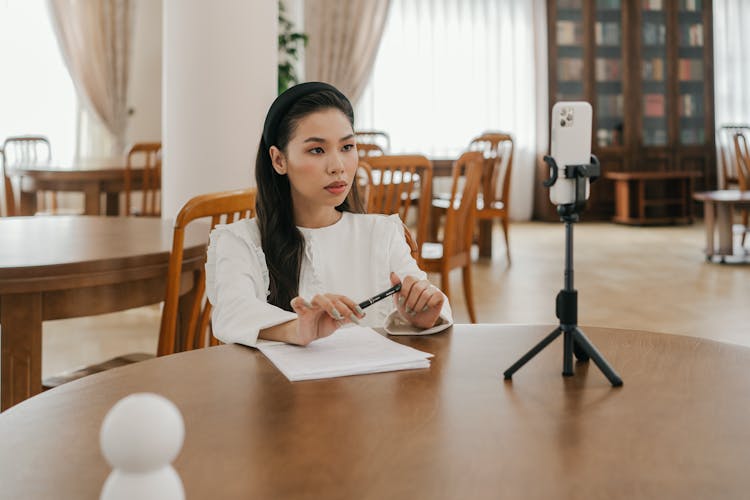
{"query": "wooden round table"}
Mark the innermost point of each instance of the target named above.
(90, 176)
(678, 428)
(66, 267)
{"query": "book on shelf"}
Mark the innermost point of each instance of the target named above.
(653, 69)
(607, 33)
(690, 105)
(692, 136)
(691, 5)
(607, 69)
(691, 35)
(652, 5)
(655, 137)
(609, 105)
(569, 4)
(690, 69)
(607, 4)
(653, 105)
(654, 33)
(569, 33)
(570, 69)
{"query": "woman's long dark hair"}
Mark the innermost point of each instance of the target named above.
(283, 244)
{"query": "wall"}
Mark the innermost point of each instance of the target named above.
(144, 93)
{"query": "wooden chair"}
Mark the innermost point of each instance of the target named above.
(28, 150)
(363, 181)
(192, 330)
(494, 196)
(366, 150)
(377, 137)
(727, 154)
(455, 249)
(148, 156)
(742, 155)
(398, 184)
(8, 196)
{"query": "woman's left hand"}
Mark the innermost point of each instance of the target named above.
(418, 301)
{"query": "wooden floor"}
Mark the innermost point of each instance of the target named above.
(627, 277)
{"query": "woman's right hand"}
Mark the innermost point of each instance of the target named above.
(323, 315)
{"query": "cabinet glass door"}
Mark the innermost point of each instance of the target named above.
(690, 72)
(608, 68)
(569, 41)
(654, 72)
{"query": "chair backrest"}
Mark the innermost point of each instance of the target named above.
(398, 182)
(23, 151)
(497, 148)
(148, 156)
(363, 181)
(377, 137)
(365, 150)
(727, 154)
(742, 154)
(459, 216)
(194, 330)
(27, 150)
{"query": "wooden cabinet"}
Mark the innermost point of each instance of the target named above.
(646, 66)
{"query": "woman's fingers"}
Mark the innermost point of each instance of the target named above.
(338, 307)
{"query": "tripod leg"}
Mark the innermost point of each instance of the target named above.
(601, 363)
(568, 353)
(580, 353)
(508, 374)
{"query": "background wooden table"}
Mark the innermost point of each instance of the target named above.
(653, 197)
(64, 267)
(719, 207)
(91, 176)
(678, 428)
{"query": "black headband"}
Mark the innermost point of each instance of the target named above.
(284, 103)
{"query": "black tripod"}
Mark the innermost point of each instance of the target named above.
(574, 341)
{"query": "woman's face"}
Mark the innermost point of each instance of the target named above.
(320, 161)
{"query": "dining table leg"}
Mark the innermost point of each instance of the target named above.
(28, 203)
(91, 195)
(21, 341)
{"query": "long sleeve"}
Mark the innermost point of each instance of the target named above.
(236, 285)
(403, 264)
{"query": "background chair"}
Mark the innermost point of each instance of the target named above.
(742, 164)
(727, 154)
(192, 329)
(494, 196)
(376, 137)
(398, 184)
(148, 156)
(363, 181)
(365, 150)
(25, 151)
(455, 249)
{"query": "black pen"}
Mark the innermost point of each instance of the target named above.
(380, 296)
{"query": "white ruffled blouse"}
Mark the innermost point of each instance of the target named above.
(353, 257)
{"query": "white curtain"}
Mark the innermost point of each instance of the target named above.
(448, 70)
(344, 36)
(95, 40)
(732, 61)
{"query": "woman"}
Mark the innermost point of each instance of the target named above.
(296, 272)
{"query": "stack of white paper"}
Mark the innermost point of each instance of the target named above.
(349, 351)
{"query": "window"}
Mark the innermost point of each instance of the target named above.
(448, 70)
(36, 93)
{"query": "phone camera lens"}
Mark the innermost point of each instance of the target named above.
(562, 123)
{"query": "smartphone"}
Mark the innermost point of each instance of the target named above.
(570, 144)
